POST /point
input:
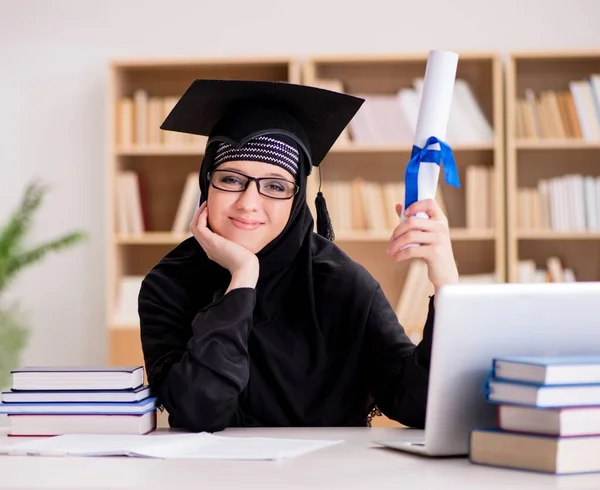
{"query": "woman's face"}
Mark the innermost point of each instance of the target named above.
(248, 218)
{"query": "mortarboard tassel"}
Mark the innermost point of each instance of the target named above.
(324, 226)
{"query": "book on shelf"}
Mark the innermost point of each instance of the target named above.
(361, 205)
(555, 271)
(188, 203)
(139, 117)
(568, 112)
(126, 307)
(568, 203)
(391, 119)
(132, 209)
(548, 416)
(480, 200)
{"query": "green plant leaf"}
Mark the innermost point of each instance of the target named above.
(13, 259)
(21, 219)
(18, 262)
(14, 333)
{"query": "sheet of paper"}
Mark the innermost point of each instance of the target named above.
(172, 446)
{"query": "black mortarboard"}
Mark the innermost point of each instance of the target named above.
(235, 111)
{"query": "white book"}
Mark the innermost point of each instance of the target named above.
(122, 213)
(77, 377)
(140, 100)
(468, 103)
(544, 396)
(77, 396)
(188, 203)
(126, 308)
(59, 425)
(591, 211)
(598, 200)
(560, 422)
(409, 102)
(586, 110)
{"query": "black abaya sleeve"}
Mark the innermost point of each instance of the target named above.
(196, 369)
(398, 371)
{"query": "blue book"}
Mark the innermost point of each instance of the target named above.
(555, 370)
(77, 396)
(135, 408)
(64, 378)
(546, 396)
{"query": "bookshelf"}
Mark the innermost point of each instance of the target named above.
(368, 153)
(380, 158)
(161, 162)
(553, 179)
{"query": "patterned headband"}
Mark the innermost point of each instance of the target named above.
(265, 149)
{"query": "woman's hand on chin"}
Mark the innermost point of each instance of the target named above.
(238, 260)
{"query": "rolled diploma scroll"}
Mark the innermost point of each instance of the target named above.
(434, 110)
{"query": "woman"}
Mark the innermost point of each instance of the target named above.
(256, 320)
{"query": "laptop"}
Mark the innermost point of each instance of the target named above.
(475, 323)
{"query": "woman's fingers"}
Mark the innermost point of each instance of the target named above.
(413, 236)
(428, 206)
(410, 253)
(415, 223)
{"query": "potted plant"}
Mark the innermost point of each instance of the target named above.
(15, 256)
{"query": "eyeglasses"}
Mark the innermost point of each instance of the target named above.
(234, 181)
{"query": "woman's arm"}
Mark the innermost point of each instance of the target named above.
(398, 370)
(198, 369)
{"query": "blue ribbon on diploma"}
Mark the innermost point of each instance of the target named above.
(418, 155)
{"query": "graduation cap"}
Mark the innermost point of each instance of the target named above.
(235, 111)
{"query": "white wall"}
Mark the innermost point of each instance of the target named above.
(53, 65)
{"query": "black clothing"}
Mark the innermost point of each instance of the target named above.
(316, 343)
(218, 361)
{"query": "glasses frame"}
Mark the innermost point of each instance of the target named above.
(257, 180)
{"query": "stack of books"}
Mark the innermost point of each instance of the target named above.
(548, 415)
(49, 401)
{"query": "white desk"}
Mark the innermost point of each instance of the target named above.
(356, 463)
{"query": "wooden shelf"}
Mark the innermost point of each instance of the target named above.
(456, 234)
(151, 238)
(124, 326)
(386, 75)
(355, 148)
(557, 235)
(167, 238)
(556, 144)
(529, 161)
(161, 169)
(192, 150)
